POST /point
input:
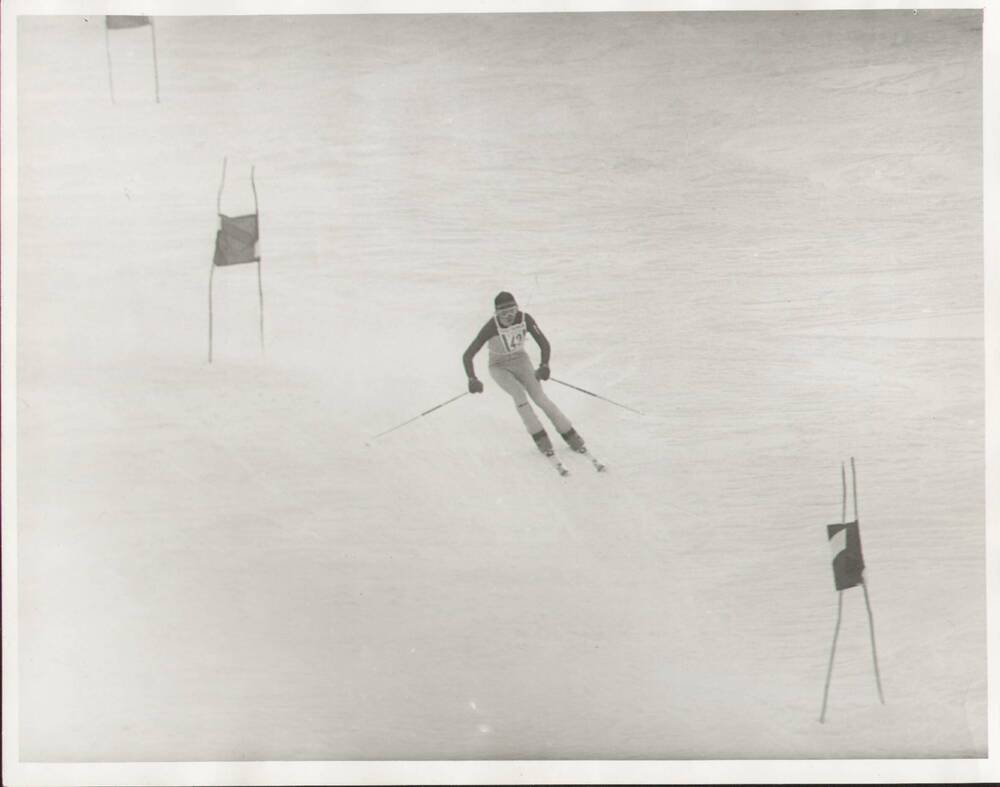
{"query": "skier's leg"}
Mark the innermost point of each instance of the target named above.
(506, 380)
(562, 424)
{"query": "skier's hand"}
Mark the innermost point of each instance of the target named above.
(475, 386)
(542, 372)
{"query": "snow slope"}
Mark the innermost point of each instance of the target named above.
(761, 230)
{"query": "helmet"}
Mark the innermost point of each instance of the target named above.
(504, 300)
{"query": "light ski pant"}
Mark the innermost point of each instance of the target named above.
(517, 377)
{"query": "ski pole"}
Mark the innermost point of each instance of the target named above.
(425, 412)
(596, 396)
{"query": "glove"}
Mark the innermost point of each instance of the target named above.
(475, 386)
(542, 372)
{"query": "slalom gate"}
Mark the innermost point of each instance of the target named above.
(848, 572)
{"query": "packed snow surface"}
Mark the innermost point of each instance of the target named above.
(763, 231)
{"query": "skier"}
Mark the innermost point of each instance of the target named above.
(511, 367)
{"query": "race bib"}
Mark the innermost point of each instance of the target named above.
(512, 337)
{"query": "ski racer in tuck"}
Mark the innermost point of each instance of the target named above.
(512, 370)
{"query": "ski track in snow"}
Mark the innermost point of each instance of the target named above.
(762, 233)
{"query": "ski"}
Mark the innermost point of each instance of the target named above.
(599, 466)
(558, 465)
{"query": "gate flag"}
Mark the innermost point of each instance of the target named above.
(123, 22)
(236, 240)
(848, 562)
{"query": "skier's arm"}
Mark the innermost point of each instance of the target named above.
(539, 337)
(485, 334)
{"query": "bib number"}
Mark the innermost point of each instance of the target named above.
(512, 340)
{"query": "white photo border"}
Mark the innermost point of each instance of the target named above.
(16, 772)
